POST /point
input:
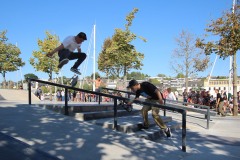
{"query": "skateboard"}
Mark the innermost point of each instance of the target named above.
(125, 106)
(74, 81)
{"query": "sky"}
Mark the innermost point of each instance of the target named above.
(160, 22)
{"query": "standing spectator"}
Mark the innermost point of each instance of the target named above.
(89, 97)
(63, 95)
(219, 103)
(74, 96)
(69, 95)
(58, 95)
(78, 96)
(176, 95)
(165, 94)
(185, 96)
(170, 95)
(39, 93)
(98, 83)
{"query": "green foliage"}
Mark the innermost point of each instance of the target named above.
(96, 75)
(40, 61)
(154, 81)
(136, 75)
(45, 89)
(227, 31)
(161, 75)
(30, 75)
(87, 86)
(118, 55)
(180, 75)
(9, 56)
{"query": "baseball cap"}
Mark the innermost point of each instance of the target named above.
(132, 83)
(82, 35)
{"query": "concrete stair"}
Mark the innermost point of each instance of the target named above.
(86, 112)
(131, 125)
(128, 122)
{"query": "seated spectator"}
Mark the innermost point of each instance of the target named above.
(230, 105)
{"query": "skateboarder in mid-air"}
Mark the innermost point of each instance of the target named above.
(66, 51)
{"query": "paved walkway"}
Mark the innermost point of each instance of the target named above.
(69, 139)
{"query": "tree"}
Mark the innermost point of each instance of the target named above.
(154, 81)
(9, 56)
(226, 30)
(104, 61)
(180, 75)
(30, 75)
(118, 55)
(161, 75)
(96, 75)
(186, 58)
(43, 63)
(136, 75)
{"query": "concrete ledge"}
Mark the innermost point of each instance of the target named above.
(103, 114)
(80, 108)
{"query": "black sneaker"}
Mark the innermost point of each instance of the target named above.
(168, 132)
(75, 70)
(63, 62)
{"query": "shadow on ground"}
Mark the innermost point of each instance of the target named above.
(67, 138)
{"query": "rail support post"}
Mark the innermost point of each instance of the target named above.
(115, 113)
(29, 92)
(184, 131)
(208, 117)
(66, 102)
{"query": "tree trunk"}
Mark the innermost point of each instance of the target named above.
(4, 80)
(186, 83)
(125, 77)
(50, 86)
(235, 79)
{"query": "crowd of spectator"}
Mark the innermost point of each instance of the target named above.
(203, 97)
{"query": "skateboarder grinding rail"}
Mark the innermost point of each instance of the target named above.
(153, 95)
(66, 51)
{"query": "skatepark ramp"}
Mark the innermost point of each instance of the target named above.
(16, 95)
(115, 107)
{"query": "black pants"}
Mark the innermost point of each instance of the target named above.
(65, 53)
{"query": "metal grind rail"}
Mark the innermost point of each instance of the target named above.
(178, 104)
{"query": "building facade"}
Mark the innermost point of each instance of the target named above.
(221, 84)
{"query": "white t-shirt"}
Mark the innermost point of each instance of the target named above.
(171, 96)
(176, 94)
(70, 43)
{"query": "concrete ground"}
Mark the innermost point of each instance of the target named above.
(66, 138)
